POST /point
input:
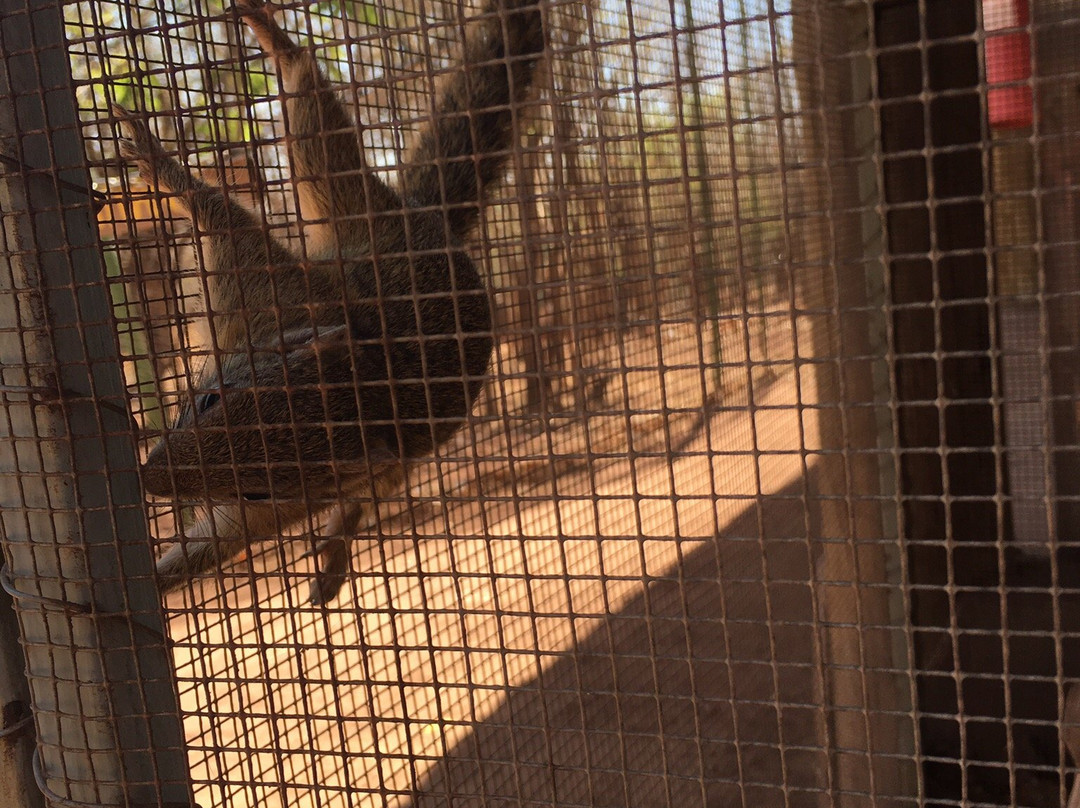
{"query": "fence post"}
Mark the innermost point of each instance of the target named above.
(867, 691)
(72, 523)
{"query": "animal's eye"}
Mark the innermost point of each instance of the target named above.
(206, 401)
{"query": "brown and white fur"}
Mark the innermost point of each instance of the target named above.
(331, 374)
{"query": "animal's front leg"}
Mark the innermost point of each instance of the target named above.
(237, 248)
(138, 145)
(334, 551)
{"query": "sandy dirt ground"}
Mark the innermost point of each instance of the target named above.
(607, 610)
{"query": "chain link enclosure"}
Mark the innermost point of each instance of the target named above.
(770, 496)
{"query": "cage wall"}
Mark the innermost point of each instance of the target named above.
(767, 496)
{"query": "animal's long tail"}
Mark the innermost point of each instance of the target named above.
(467, 143)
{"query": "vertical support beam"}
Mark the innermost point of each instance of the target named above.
(72, 520)
(931, 100)
(1056, 28)
(871, 733)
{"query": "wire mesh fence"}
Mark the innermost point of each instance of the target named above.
(591, 403)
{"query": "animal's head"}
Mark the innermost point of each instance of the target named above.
(281, 421)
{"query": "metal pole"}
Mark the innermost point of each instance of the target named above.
(72, 522)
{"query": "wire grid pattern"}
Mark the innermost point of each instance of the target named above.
(766, 500)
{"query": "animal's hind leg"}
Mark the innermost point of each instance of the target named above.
(328, 168)
(334, 551)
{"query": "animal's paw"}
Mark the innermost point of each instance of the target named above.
(258, 15)
(136, 144)
(333, 567)
(255, 12)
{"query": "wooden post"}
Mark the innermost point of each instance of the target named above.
(72, 520)
(871, 734)
(17, 788)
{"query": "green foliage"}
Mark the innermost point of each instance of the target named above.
(133, 343)
(353, 10)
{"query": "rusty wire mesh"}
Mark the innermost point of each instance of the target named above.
(767, 498)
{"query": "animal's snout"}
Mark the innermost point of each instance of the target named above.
(175, 479)
(157, 478)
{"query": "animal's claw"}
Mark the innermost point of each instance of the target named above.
(333, 567)
(136, 142)
(256, 8)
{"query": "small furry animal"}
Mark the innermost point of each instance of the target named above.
(331, 374)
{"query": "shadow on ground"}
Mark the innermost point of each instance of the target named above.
(702, 691)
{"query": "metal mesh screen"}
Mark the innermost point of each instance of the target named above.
(766, 496)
